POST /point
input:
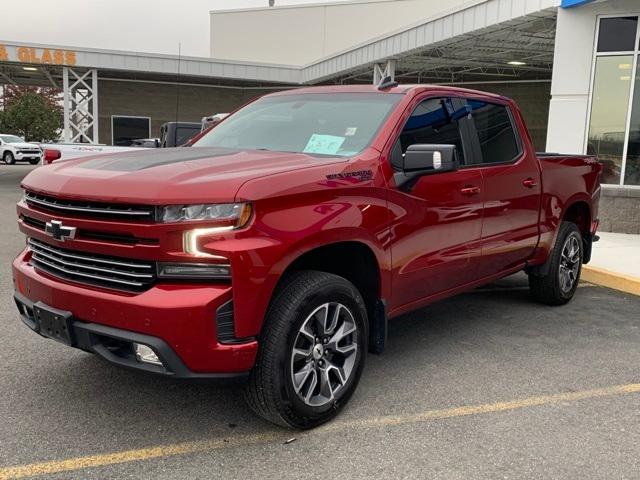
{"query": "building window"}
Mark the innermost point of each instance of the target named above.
(609, 107)
(617, 34)
(126, 129)
(614, 124)
(632, 170)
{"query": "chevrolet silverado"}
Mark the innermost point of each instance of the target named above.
(278, 245)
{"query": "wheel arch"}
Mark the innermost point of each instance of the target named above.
(579, 213)
(355, 261)
(351, 259)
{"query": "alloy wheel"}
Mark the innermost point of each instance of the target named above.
(324, 354)
(569, 263)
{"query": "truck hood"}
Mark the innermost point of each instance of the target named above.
(165, 176)
(23, 145)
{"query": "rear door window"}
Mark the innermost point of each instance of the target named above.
(496, 134)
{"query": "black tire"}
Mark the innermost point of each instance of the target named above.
(8, 158)
(550, 289)
(34, 161)
(271, 392)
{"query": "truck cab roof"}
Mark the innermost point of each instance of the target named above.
(398, 89)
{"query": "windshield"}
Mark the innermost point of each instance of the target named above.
(184, 134)
(11, 139)
(325, 124)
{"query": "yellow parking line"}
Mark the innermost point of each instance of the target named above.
(486, 408)
(71, 464)
(78, 463)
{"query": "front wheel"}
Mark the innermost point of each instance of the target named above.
(8, 158)
(561, 280)
(312, 351)
(34, 161)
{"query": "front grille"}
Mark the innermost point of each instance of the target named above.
(90, 209)
(34, 222)
(99, 270)
(29, 151)
(95, 235)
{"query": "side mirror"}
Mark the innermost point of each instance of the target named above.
(427, 159)
(423, 159)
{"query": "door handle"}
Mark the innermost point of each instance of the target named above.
(470, 190)
(529, 183)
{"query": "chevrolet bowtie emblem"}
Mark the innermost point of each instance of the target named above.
(60, 232)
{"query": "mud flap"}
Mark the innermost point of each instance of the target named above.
(378, 328)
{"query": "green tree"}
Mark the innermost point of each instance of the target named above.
(31, 113)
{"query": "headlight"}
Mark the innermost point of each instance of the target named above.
(223, 217)
(229, 214)
(193, 270)
(191, 238)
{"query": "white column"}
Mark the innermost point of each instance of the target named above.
(571, 80)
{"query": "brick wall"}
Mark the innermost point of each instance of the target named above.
(158, 101)
(620, 210)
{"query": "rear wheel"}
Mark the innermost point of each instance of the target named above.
(560, 282)
(311, 352)
(8, 158)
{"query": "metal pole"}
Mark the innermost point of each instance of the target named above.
(379, 73)
(66, 132)
(94, 106)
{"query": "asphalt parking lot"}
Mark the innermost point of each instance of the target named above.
(485, 385)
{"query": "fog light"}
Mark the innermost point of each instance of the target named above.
(145, 354)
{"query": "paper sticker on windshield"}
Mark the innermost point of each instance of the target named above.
(324, 144)
(350, 131)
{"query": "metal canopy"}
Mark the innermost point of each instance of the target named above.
(482, 55)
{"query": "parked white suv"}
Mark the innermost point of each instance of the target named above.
(14, 149)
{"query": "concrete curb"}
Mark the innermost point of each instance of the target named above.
(606, 278)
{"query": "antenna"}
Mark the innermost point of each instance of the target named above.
(175, 130)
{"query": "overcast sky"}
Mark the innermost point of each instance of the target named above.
(140, 25)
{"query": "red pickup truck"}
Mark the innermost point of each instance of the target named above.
(280, 243)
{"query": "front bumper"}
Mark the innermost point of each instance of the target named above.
(177, 320)
(27, 156)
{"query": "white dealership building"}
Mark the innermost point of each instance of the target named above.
(572, 65)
